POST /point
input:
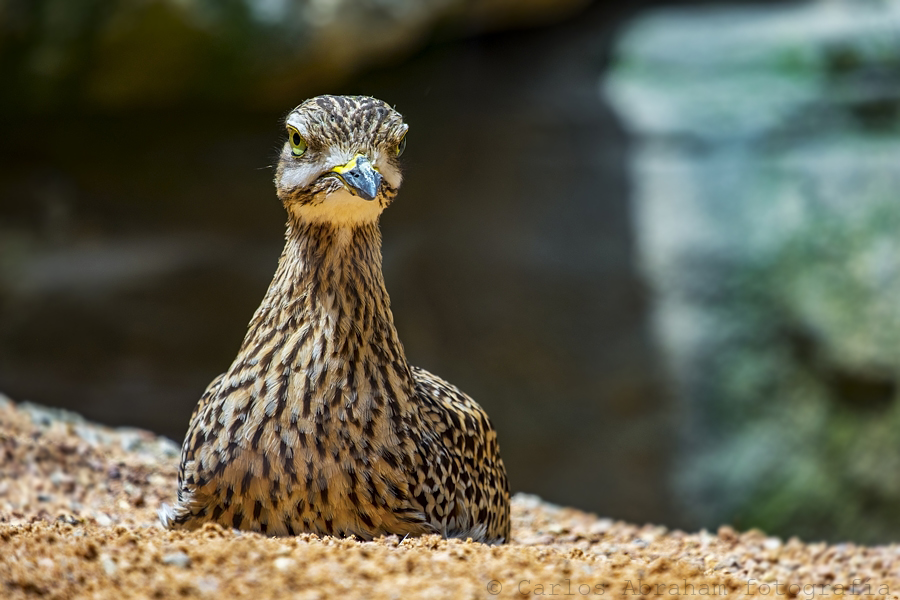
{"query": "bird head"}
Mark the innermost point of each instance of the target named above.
(340, 162)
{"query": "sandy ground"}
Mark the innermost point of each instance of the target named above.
(78, 520)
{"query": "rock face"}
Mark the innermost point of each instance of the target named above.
(163, 53)
(766, 186)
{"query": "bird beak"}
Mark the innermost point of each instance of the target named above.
(360, 177)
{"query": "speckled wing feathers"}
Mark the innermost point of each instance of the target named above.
(478, 475)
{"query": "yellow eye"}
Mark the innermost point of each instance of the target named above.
(401, 146)
(298, 144)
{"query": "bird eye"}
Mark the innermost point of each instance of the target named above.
(298, 144)
(401, 146)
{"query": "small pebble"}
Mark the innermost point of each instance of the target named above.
(178, 559)
(108, 564)
(208, 585)
(772, 543)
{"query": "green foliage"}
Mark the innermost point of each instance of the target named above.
(803, 390)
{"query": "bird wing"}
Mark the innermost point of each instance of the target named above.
(465, 430)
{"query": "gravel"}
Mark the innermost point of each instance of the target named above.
(78, 519)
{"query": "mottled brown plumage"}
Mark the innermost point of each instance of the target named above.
(320, 425)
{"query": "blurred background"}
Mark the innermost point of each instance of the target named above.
(656, 240)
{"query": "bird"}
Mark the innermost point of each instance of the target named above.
(320, 425)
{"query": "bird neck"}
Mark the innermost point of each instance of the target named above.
(326, 316)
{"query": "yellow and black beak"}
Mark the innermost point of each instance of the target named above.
(360, 177)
